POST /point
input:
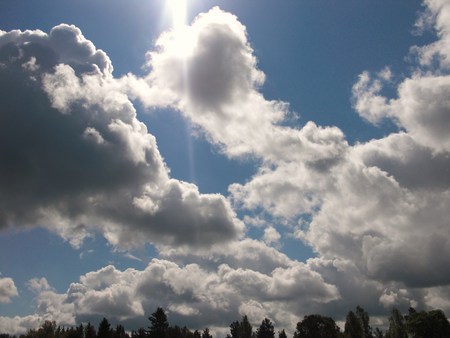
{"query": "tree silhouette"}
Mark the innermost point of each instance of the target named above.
(266, 329)
(282, 334)
(235, 329)
(246, 329)
(423, 324)
(47, 329)
(242, 329)
(159, 324)
(378, 333)
(352, 327)
(363, 318)
(119, 332)
(89, 331)
(206, 334)
(431, 324)
(397, 327)
(357, 324)
(139, 333)
(104, 329)
(317, 326)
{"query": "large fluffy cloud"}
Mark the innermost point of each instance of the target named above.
(400, 224)
(191, 294)
(76, 159)
(210, 73)
(367, 203)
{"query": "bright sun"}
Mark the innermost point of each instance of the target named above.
(178, 9)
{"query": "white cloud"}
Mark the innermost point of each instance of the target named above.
(192, 294)
(19, 325)
(271, 236)
(247, 254)
(7, 289)
(438, 15)
(369, 104)
(367, 202)
(215, 83)
(438, 298)
(39, 285)
(422, 107)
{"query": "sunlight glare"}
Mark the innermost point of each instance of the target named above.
(178, 8)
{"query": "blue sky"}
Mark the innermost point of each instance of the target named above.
(266, 158)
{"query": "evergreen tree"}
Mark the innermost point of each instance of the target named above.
(89, 331)
(139, 334)
(378, 333)
(266, 329)
(206, 334)
(245, 328)
(235, 329)
(282, 334)
(104, 329)
(317, 326)
(75, 332)
(119, 332)
(186, 333)
(159, 324)
(47, 330)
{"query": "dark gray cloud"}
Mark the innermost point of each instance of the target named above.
(76, 159)
(416, 167)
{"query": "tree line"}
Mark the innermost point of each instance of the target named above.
(415, 324)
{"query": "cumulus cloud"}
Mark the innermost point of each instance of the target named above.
(271, 236)
(7, 289)
(365, 203)
(393, 192)
(247, 254)
(76, 158)
(19, 325)
(375, 213)
(189, 292)
(39, 285)
(438, 16)
(422, 107)
(213, 81)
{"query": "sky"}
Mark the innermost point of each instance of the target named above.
(222, 158)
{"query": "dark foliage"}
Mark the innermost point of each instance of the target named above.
(266, 329)
(423, 324)
(317, 326)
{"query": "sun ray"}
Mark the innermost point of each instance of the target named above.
(178, 9)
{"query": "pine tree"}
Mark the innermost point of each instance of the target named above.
(266, 329)
(104, 329)
(206, 334)
(159, 324)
